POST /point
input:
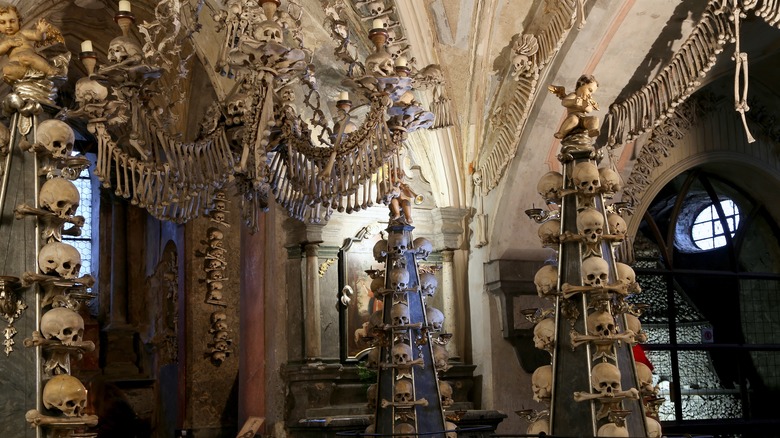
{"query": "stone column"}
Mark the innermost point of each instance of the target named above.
(311, 309)
(118, 307)
(448, 225)
(448, 301)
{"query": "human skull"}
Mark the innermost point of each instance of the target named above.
(375, 320)
(590, 225)
(66, 394)
(428, 284)
(380, 64)
(371, 394)
(595, 272)
(404, 428)
(435, 318)
(215, 293)
(212, 264)
(59, 259)
(62, 324)
(645, 377)
(403, 391)
(377, 285)
(423, 247)
(89, 91)
(610, 181)
(402, 353)
(452, 428)
(238, 105)
(222, 336)
(441, 357)
(546, 280)
(544, 334)
(400, 314)
(550, 185)
(60, 196)
(220, 205)
(653, 428)
(216, 274)
(375, 8)
(397, 244)
(218, 316)
(399, 279)
(601, 323)
(380, 251)
(617, 225)
(218, 216)
(121, 48)
(627, 276)
(541, 382)
(538, 427)
(633, 324)
(586, 177)
(372, 359)
(549, 233)
(57, 137)
(612, 430)
(519, 64)
(215, 235)
(219, 326)
(445, 391)
(605, 379)
(269, 31)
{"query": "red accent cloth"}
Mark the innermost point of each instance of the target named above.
(639, 356)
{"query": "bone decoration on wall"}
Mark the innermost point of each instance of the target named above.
(719, 25)
(531, 55)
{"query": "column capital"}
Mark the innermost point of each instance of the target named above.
(448, 226)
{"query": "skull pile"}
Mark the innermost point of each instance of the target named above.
(214, 265)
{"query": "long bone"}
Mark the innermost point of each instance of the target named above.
(115, 154)
(578, 339)
(404, 405)
(631, 393)
(570, 290)
(36, 418)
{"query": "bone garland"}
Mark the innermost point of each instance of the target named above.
(678, 79)
(504, 132)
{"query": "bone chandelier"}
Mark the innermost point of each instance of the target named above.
(261, 139)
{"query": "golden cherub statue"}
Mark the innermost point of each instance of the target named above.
(578, 104)
(19, 45)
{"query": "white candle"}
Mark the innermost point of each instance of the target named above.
(377, 24)
(124, 6)
(86, 46)
(400, 62)
(343, 95)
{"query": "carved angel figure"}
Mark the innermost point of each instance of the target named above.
(578, 105)
(19, 45)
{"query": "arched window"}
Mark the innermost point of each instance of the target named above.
(707, 231)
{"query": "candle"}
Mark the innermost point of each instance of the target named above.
(86, 46)
(400, 62)
(124, 6)
(343, 95)
(377, 24)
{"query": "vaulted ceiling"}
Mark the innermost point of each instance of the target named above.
(503, 119)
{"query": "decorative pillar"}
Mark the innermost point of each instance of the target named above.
(118, 307)
(311, 309)
(448, 301)
(251, 374)
(449, 230)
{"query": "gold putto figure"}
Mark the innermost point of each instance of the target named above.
(20, 45)
(578, 105)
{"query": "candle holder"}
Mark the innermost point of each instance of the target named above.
(124, 19)
(541, 216)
